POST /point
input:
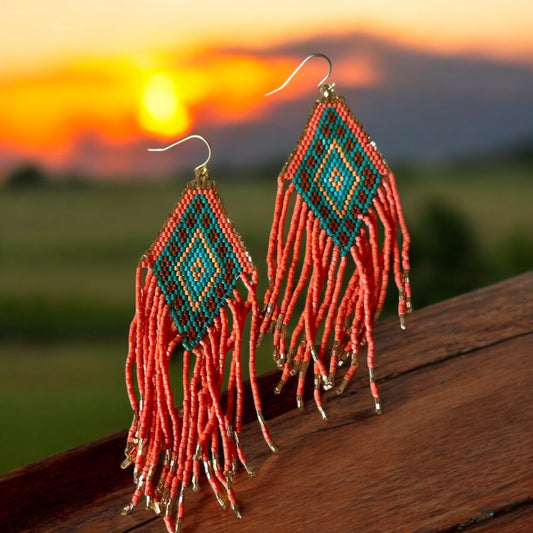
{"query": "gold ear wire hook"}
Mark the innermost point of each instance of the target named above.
(308, 58)
(204, 164)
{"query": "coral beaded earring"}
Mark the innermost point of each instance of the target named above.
(328, 254)
(189, 303)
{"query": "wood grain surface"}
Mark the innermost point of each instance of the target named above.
(453, 450)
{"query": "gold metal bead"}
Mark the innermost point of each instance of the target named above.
(342, 386)
(300, 402)
(127, 462)
(279, 386)
(222, 500)
(235, 509)
(126, 510)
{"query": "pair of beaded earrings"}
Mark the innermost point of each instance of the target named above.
(326, 251)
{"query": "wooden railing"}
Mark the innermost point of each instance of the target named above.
(452, 452)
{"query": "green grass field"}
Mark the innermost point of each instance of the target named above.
(67, 262)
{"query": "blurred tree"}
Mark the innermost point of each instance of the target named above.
(523, 153)
(517, 253)
(446, 257)
(26, 176)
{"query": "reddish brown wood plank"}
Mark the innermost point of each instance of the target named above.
(457, 326)
(47, 492)
(447, 329)
(455, 443)
(85, 489)
(519, 520)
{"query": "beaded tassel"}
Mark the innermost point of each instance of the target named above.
(187, 301)
(329, 255)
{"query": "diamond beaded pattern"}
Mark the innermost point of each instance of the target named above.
(336, 172)
(198, 267)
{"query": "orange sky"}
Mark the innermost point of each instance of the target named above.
(35, 33)
(121, 70)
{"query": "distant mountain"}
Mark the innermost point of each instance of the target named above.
(428, 106)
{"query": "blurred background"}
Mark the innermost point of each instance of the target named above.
(444, 88)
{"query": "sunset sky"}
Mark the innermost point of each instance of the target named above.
(121, 74)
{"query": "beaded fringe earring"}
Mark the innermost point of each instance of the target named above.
(188, 303)
(329, 253)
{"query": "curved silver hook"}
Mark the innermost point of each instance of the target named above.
(308, 58)
(182, 141)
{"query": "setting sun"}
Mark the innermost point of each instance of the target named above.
(162, 111)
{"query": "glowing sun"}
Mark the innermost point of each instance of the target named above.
(161, 111)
